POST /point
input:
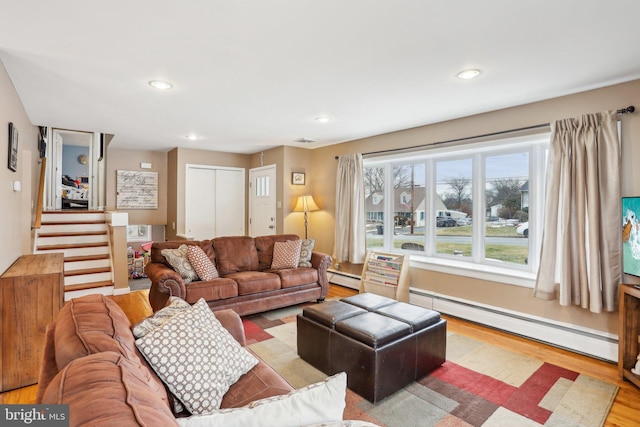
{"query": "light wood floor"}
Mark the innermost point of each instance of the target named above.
(625, 411)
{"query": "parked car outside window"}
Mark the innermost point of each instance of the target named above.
(445, 221)
(523, 229)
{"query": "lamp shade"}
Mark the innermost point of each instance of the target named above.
(305, 204)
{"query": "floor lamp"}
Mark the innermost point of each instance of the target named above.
(305, 204)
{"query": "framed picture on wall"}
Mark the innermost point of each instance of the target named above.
(631, 236)
(297, 178)
(13, 147)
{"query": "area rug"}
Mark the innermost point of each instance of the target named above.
(479, 384)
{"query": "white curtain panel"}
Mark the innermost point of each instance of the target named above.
(350, 238)
(581, 245)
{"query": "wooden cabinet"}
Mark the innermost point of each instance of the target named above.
(628, 336)
(31, 295)
(385, 274)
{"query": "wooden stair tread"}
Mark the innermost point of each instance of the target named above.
(86, 258)
(74, 234)
(91, 285)
(72, 246)
(87, 271)
(85, 222)
(71, 211)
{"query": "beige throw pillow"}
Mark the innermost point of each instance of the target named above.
(178, 259)
(315, 404)
(286, 254)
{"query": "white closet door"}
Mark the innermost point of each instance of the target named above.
(200, 203)
(230, 195)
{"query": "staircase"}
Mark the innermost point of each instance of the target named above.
(83, 238)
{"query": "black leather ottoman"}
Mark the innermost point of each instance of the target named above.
(381, 344)
(377, 353)
(314, 328)
(429, 329)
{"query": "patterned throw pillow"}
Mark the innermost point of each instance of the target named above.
(201, 263)
(180, 263)
(286, 254)
(196, 357)
(305, 252)
(160, 317)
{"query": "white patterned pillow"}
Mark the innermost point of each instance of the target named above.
(201, 263)
(318, 403)
(286, 254)
(196, 357)
(178, 259)
(305, 252)
(160, 317)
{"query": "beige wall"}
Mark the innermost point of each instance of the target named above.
(16, 216)
(496, 294)
(288, 160)
(121, 159)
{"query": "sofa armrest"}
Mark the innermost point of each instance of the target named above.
(49, 368)
(232, 322)
(165, 283)
(321, 262)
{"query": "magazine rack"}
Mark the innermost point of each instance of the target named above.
(385, 274)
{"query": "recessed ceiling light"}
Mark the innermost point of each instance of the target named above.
(192, 137)
(468, 74)
(160, 85)
(323, 119)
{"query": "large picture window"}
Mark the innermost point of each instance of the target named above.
(473, 205)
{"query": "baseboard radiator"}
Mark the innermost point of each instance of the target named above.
(586, 341)
(341, 278)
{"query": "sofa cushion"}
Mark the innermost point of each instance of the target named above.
(264, 246)
(89, 325)
(296, 276)
(253, 282)
(260, 382)
(213, 290)
(108, 389)
(201, 263)
(179, 261)
(196, 357)
(315, 404)
(236, 253)
(286, 254)
(94, 324)
(305, 252)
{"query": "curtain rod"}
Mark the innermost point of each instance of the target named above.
(629, 109)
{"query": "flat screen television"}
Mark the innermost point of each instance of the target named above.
(631, 236)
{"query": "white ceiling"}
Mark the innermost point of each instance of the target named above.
(254, 74)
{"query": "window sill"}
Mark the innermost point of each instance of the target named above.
(477, 271)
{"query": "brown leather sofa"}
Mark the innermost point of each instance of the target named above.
(91, 363)
(247, 284)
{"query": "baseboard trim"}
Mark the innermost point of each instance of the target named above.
(590, 342)
(343, 279)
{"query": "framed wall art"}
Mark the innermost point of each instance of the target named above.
(13, 147)
(297, 178)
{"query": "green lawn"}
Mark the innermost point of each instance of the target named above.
(504, 253)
